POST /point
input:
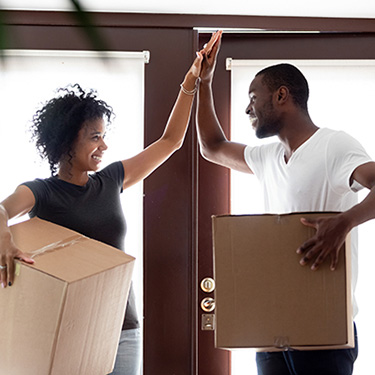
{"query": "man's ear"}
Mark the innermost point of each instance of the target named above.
(282, 94)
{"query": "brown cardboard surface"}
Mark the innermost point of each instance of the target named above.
(64, 314)
(265, 299)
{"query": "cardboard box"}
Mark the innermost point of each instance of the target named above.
(64, 314)
(265, 299)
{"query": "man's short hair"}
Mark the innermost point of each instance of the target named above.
(287, 75)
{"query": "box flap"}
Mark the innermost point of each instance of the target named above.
(35, 234)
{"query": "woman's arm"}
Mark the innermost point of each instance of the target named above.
(17, 204)
(140, 166)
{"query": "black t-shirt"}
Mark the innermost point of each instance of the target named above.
(93, 210)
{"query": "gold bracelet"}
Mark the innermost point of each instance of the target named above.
(192, 92)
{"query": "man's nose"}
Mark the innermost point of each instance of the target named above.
(248, 109)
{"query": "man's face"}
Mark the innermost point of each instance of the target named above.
(263, 116)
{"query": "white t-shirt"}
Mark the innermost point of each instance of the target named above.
(316, 177)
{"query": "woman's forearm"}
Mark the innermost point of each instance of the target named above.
(179, 118)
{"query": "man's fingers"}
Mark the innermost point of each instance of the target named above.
(309, 223)
(210, 48)
(312, 250)
(216, 45)
(306, 246)
(319, 260)
(214, 38)
(319, 256)
(334, 260)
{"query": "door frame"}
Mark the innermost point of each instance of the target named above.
(176, 260)
(214, 181)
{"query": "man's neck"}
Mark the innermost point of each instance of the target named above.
(297, 131)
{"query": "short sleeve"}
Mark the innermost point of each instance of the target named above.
(115, 172)
(344, 155)
(40, 191)
(257, 157)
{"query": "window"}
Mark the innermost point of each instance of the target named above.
(341, 97)
(28, 78)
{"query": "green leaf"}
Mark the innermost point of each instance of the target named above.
(3, 36)
(84, 19)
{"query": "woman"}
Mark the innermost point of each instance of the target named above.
(69, 131)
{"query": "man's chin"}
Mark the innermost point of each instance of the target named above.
(261, 134)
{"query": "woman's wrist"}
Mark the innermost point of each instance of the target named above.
(190, 84)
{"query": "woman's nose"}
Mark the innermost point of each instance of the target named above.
(103, 145)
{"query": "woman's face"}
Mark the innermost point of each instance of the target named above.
(89, 147)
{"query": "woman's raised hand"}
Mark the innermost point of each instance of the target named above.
(209, 52)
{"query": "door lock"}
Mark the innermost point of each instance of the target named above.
(208, 304)
(208, 284)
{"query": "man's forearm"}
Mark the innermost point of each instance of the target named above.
(209, 130)
(363, 211)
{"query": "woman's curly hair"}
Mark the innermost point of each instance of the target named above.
(55, 126)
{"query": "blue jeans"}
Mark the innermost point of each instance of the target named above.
(129, 354)
(316, 362)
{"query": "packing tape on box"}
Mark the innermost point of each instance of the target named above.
(57, 245)
(17, 270)
(281, 342)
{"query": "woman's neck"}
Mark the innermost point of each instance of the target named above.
(71, 176)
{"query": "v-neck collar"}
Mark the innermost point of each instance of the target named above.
(298, 149)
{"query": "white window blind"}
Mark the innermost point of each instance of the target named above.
(342, 97)
(30, 77)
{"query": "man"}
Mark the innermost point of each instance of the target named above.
(310, 169)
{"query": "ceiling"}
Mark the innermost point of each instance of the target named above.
(299, 8)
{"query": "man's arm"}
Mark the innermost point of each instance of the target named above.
(332, 231)
(214, 145)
